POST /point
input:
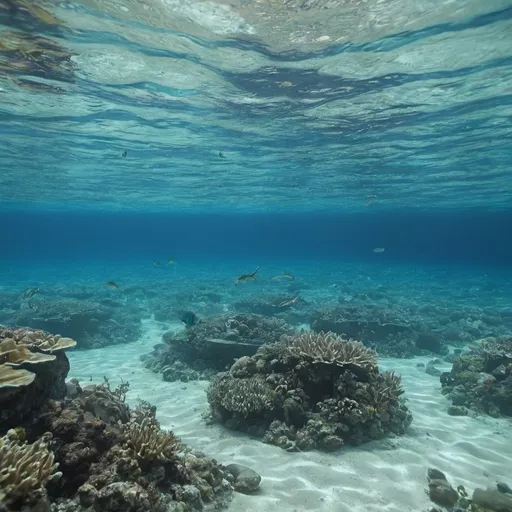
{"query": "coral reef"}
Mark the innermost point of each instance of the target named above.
(211, 345)
(92, 324)
(482, 378)
(384, 329)
(33, 368)
(310, 390)
(26, 469)
(109, 457)
(397, 331)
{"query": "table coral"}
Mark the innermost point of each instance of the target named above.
(33, 367)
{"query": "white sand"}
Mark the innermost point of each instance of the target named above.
(388, 475)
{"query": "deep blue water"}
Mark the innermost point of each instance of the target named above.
(408, 237)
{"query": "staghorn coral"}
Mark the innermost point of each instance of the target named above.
(25, 468)
(329, 348)
(310, 391)
(150, 443)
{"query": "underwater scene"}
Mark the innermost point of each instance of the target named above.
(256, 256)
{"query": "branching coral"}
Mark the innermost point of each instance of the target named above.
(329, 348)
(24, 467)
(244, 396)
(150, 443)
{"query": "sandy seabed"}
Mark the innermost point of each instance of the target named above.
(387, 475)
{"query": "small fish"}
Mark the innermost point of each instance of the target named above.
(30, 292)
(221, 154)
(289, 302)
(111, 284)
(170, 261)
(124, 153)
(156, 263)
(247, 277)
(285, 275)
(379, 249)
(189, 318)
(32, 306)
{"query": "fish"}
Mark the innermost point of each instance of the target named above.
(189, 318)
(289, 302)
(170, 261)
(221, 154)
(247, 277)
(284, 275)
(111, 284)
(124, 153)
(30, 292)
(156, 263)
(379, 249)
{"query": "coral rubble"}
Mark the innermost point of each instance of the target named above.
(482, 378)
(310, 390)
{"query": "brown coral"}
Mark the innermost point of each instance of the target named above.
(329, 348)
(244, 396)
(24, 467)
(150, 443)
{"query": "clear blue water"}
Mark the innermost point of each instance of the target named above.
(296, 136)
(314, 105)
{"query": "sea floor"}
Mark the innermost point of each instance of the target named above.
(388, 475)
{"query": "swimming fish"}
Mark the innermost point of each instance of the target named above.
(189, 318)
(247, 277)
(124, 153)
(289, 302)
(379, 249)
(111, 284)
(170, 261)
(284, 275)
(30, 292)
(156, 263)
(221, 154)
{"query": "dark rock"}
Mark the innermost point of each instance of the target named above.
(457, 410)
(435, 474)
(430, 341)
(492, 500)
(504, 488)
(246, 480)
(439, 490)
